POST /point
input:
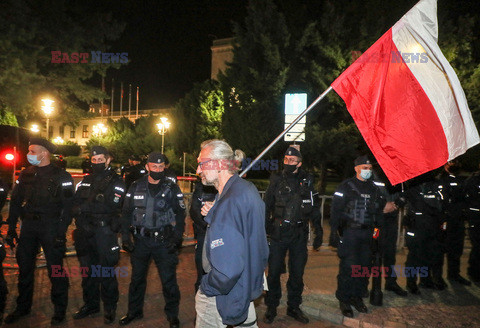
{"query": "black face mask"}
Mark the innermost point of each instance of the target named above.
(289, 168)
(98, 168)
(157, 175)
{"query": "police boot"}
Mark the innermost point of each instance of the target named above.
(460, 280)
(346, 309)
(297, 314)
(426, 282)
(270, 314)
(129, 318)
(394, 287)
(85, 311)
(174, 322)
(439, 283)
(15, 316)
(412, 286)
(358, 304)
(108, 316)
(58, 318)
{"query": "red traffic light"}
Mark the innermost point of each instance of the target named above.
(9, 157)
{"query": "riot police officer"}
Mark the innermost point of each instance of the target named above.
(135, 171)
(424, 233)
(472, 196)
(97, 208)
(42, 197)
(452, 187)
(3, 253)
(201, 195)
(291, 202)
(389, 232)
(356, 208)
(154, 211)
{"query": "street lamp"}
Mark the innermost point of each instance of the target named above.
(47, 109)
(58, 141)
(35, 128)
(162, 128)
(99, 130)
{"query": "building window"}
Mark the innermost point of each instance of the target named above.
(61, 131)
(50, 132)
(85, 131)
(72, 132)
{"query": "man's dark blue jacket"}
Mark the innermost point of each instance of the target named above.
(237, 249)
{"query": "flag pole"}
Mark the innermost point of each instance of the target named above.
(305, 112)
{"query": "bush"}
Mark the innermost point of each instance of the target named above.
(74, 162)
(68, 149)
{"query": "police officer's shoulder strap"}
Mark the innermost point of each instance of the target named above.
(354, 187)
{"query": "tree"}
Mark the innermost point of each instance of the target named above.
(31, 30)
(7, 117)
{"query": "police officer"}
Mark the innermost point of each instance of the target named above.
(452, 188)
(155, 212)
(201, 195)
(97, 208)
(290, 202)
(356, 208)
(472, 196)
(3, 253)
(135, 171)
(389, 232)
(42, 197)
(424, 230)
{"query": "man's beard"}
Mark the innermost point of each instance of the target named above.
(213, 182)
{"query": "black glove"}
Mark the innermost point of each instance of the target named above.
(317, 242)
(334, 240)
(128, 246)
(175, 243)
(11, 237)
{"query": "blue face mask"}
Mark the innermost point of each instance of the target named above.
(366, 174)
(33, 159)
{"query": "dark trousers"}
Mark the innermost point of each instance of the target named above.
(198, 260)
(147, 248)
(33, 235)
(455, 236)
(296, 245)
(474, 259)
(388, 246)
(3, 290)
(424, 253)
(99, 252)
(354, 249)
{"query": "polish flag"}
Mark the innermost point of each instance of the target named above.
(407, 100)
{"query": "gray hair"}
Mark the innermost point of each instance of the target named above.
(221, 150)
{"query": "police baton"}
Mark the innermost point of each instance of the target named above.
(376, 295)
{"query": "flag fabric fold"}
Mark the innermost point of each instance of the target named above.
(406, 99)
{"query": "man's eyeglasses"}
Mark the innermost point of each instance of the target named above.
(203, 163)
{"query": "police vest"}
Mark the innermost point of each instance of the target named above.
(361, 207)
(93, 192)
(153, 211)
(293, 200)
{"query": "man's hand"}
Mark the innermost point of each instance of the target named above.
(317, 242)
(206, 208)
(60, 243)
(11, 237)
(127, 245)
(334, 240)
(390, 207)
(175, 243)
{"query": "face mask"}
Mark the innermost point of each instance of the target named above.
(289, 168)
(33, 159)
(366, 174)
(98, 168)
(157, 175)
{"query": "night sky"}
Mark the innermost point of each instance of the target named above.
(168, 45)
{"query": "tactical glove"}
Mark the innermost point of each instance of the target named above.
(128, 246)
(11, 237)
(334, 240)
(175, 243)
(60, 243)
(317, 242)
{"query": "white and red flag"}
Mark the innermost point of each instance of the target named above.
(407, 100)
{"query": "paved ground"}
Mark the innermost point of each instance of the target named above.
(457, 306)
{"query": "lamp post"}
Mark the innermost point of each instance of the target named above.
(47, 109)
(99, 130)
(162, 128)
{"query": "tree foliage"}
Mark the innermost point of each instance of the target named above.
(31, 30)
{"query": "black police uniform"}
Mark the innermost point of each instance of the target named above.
(424, 234)
(134, 173)
(389, 234)
(42, 198)
(472, 197)
(290, 202)
(3, 253)
(356, 208)
(155, 214)
(98, 202)
(201, 194)
(452, 188)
